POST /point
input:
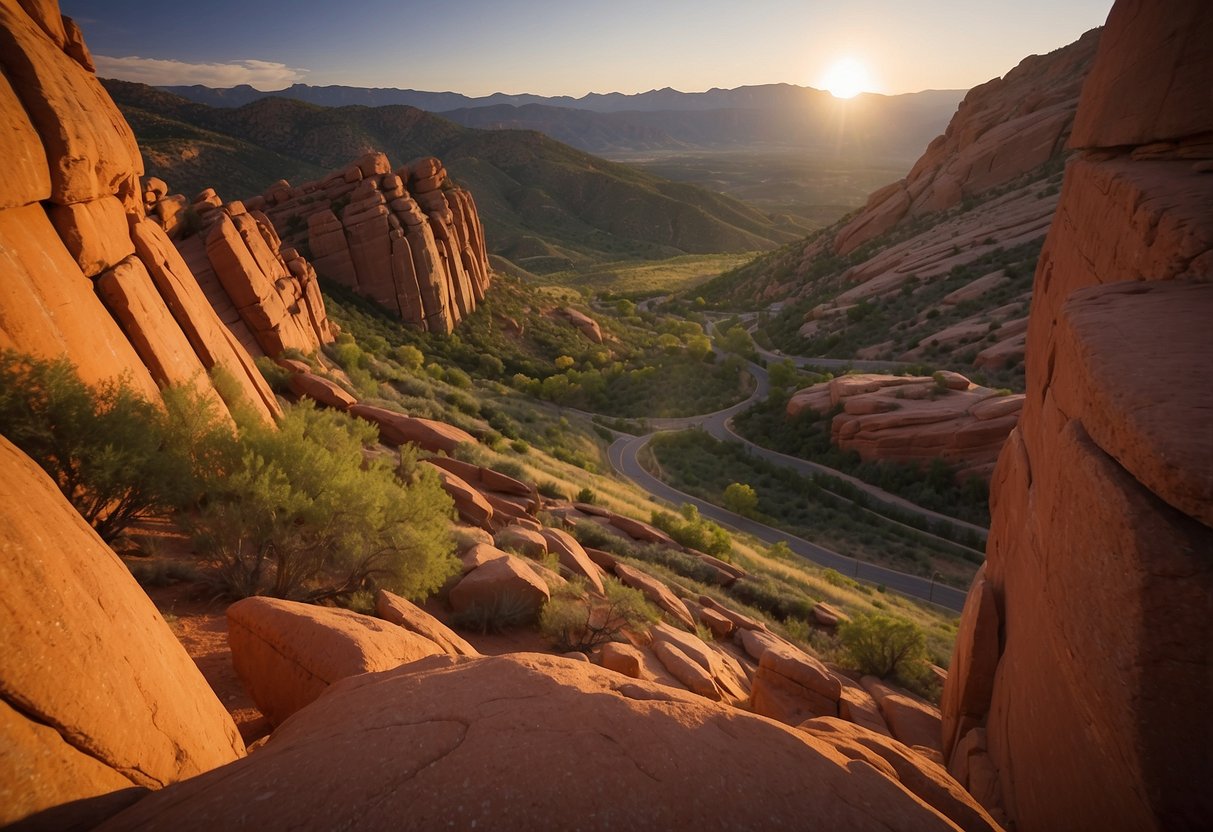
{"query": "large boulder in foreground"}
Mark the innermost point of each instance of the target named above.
(98, 694)
(287, 653)
(533, 742)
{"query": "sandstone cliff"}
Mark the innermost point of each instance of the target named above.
(1078, 692)
(88, 273)
(407, 239)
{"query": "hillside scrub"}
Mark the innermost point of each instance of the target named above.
(577, 620)
(113, 454)
(807, 436)
(301, 515)
(880, 645)
(704, 467)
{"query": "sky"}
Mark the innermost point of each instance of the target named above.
(574, 47)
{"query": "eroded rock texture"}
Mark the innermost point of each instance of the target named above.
(1079, 686)
(84, 270)
(915, 418)
(407, 239)
(98, 700)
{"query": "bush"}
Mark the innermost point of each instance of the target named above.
(691, 530)
(550, 489)
(114, 455)
(301, 515)
(880, 645)
(575, 620)
(409, 357)
(505, 610)
(741, 498)
(586, 495)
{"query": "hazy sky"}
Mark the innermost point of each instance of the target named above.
(573, 47)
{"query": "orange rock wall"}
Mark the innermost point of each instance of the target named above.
(83, 273)
(1003, 129)
(1089, 709)
(407, 239)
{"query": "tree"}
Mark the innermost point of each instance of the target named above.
(737, 341)
(113, 454)
(699, 347)
(741, 498)
(782, 374)
(302, 515)
(880, 645)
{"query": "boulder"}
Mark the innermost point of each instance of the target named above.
(469, 503)
(691, 674)
(527, 541)
(452, 728)
(287, 653)
(320, 390)
(622, 658)
(922, 778)
(94, 232)
(406, 614)
(966, 700)
(910, 720)
(504, 583)
(27, 178)
(657, 592)
(791, 686)
(99, 698)
(397, 429)
(573, 557)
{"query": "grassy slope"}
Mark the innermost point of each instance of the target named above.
(544, 204)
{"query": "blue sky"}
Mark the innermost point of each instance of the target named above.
(577, 46)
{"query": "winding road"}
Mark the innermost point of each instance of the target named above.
(624, 457)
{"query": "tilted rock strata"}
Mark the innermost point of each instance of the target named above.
(1004, 128)
(915, 419)
(407, 239)
(453, 729)
(83, 272)
(97, 696)
(1098, 574)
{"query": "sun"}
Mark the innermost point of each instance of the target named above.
(847, 78)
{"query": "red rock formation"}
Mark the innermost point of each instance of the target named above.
(915, 418)
(1092, 712)
(84, 273)
(406, 614)
(287, 653)
(1004, 128)
(452, 729)
(97, 696)
(409, 239)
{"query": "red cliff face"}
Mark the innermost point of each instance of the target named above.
(1003, 129)
(1089, 709)
(407, 239)
(88, 272)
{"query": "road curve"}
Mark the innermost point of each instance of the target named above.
(623, 454)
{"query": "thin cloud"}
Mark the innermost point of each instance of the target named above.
(264, 75)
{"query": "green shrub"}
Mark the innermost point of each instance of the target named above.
(741, 498)
(505, 610)
(409, 357)
(691, 530)
(113, 454)
(575, 620)
(880, 645)
(549, 488)
(303, 516)
(586, 495)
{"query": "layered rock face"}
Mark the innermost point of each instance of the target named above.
(1078, 696)
(1003, 129)
(915, 418)
(98, 700)
(84, 270)
(407, 239)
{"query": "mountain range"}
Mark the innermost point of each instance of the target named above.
(546, 206)
(782, 115)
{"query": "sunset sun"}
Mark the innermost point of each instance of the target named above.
(846, 78)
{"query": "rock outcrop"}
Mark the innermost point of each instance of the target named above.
(1079, 687)
(452, 728)
(86, 272)
(1004, 128)
(98, 700)
(408, 238)
(915, 418)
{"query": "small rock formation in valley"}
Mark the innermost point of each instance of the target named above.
(1078, 691)
(408, 239)
(915, 418)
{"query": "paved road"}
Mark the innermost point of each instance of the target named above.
(623, 456)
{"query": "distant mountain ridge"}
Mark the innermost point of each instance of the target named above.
(775, 114)
(545, 206)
